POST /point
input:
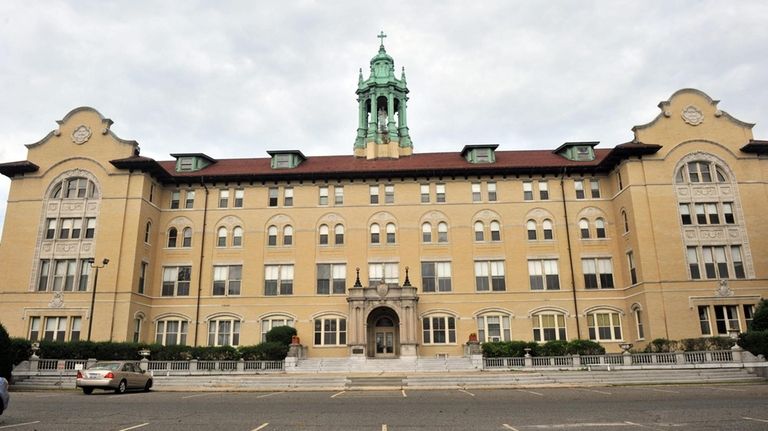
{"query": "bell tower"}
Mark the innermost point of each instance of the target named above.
(383, 127)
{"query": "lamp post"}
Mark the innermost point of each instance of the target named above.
(93, 292)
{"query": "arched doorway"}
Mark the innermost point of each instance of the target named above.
(383, 333)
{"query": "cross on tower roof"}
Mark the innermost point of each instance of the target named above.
(382, 36)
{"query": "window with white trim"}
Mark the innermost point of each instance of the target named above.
(224, 332)
(527, 190)
(373, 192)
(272, 236)
(548, 327)
(442, 232)
(175, 196)
(268, 323)
(491, 186)
(239, 198)
(338, 232)
(176, 280)
(278, 280)
(375, 234)
(439, 329)
(727, 319)
(223, 198)
(435, 276)
(489, 276)
(578, 186)
(331, 278)
(189, 199)
(384, 272)
(543, 190)
(598, 273)
(604, 326)
(594, 187)
(426, 233)
(338, 195)
(439, 193)
(330, 331)
(171, 332)
(323, 235)
(476, 192)
(389, 194)
(237, 237)
(492, 327)
(543, 274)
(704, 325)
(546, 229)
(288, 196)
(639, 323)
(323, 195)
(221, 237)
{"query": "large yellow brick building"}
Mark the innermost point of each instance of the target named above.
(387, 252)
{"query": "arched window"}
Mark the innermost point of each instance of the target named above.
(224, 332)
(548, 327)
(330, 331)
(546, 228)
(495, 231)
(426, 233)
(626, 221)
(701, 172)
(479, 231)
(338, 231)
(600, 228)
(187, 237)
(74, 188)
(323, 239)
(173, 235)
(493, 327)
(221, 237)
(171, 332)
(439, 329)
(147, 232)
(272, 235)
(375, 232)
(584, 228)
(390, 233)
(530, 225)
(270, 322)
(237, 237)
(442, 232)
(604, 325)
(288, 235)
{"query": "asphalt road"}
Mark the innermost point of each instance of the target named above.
(690, 407)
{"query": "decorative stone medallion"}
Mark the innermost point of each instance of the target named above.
(723, 290)
(57, 301)
(81, 134)
(382, 290)
(692, 115)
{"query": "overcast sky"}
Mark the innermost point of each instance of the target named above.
(234, 79)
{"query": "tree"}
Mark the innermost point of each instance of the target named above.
(281, 334)
(760, 317)
(6, 359)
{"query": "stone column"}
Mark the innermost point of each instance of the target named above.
(391, 116)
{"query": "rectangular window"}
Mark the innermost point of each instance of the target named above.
(604, 326)
(77, 228)
(543, 190)
(728, 213)
(385, 272)
(330, 331)
(373, 191)
(436, 276)
(272, 192)
(190, 199)
(34, 328)
(288, 196)
(74, 328)
(50, 231)
(239, 198)
(685, 214)
(598, 273)
(693, 263)
(175, 196)
(338, 195)
(738, 262)
(55, 329)
(439, 330)
(42, 282)
(489, 275)
(476, 193)
(331, 278)
(701, 215)
(90, 227)
(632, 267)
(227, 280)
(389, 194)
(714, 217)
(548, 327)
(528, 190)
(749, 311)
(136, 330)
(639, 324)
(142, 276)
(594, 186)
(440, 193)
(176, 280)
(543, 274)
(323, 195)
(85, 271)
(278, 280)
(424, 188)
(579, 187)
(491, 192)
(65, 228)
(727, 319)
(64, 275)
(223, 198)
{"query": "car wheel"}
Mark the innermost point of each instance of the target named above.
(87, 391)
(121, 387)
(148, 385)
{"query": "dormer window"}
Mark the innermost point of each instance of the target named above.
(287, 159)
(192, 162)
(479, 153)
(577, 151)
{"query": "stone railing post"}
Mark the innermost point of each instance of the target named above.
(737, 351)
(679, 357)
(477, 361)
(626, 358)
(290, 362)
(193, 365)
(91, 362)
(144, 364)
(528, 360)
(241, 365)
(576, 360)
(34, 361)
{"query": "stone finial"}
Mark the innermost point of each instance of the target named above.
(407, 282)
(357, 278)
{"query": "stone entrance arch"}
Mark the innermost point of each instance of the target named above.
(383, 333)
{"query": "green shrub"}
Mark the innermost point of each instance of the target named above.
(217, 353)
(760, 317)
(661, 345)
(756, 342)
(21, 350)
(585, 347)
(553, 348)
(720, 343)
(6, 360)
(506, 349)
(266, 351)
(281, 334)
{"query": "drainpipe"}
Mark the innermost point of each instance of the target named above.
(200, 267)
(570, 255)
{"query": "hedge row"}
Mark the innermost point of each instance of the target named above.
(507, 349)
(662, 345)
(756, 342)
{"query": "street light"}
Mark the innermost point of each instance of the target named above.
(93, 293)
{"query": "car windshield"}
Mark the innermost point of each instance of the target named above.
(111, 366)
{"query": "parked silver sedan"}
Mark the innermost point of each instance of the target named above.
(116, 375)
(4, 397)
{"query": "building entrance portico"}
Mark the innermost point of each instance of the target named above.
(383, 333)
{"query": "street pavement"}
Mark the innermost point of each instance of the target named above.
(658, 407)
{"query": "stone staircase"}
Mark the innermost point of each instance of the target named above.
(395, 365)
